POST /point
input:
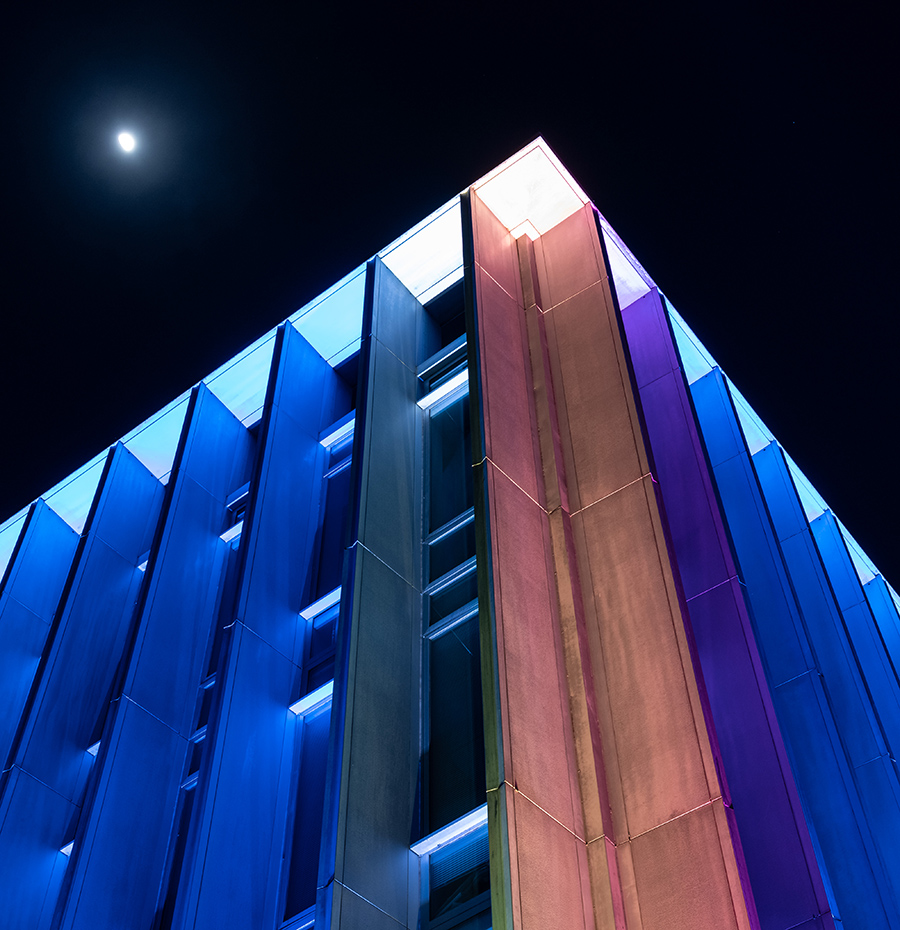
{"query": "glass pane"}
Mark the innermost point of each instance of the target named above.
(205, 704)
(456, 779)
(331, 550)
(322, 638)
(480, 921)
(450, 463)
(320, 674)
(458, 872)
(451, 550)
(451, 598)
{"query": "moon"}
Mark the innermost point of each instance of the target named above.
(127, 141)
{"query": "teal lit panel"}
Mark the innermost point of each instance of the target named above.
(756, 433)
(865, 569)
(811, 500)
(72, 497)
(241, 382)
(696, 362)
(155, 441)
(332, 323)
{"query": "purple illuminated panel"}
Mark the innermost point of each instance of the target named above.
(781, 865)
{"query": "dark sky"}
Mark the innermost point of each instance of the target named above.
(746, 154)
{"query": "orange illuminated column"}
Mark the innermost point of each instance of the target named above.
(604, 802)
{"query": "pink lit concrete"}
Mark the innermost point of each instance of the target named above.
(605, 806)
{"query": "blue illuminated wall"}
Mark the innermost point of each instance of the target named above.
(473, 595)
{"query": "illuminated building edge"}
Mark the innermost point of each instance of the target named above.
(241, 672)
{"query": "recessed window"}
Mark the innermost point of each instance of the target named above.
(448, 313)
(320, 638)
(454, 592)
(454, 874)
(458, 873)
(334, 503)
(449, 462)
(303, 850)
(450, 546)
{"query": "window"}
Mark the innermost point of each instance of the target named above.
(319, 641)
(452, 726)
(449, 461)
(454, 870)
(447, 314)
(334, 501)
(305, 839)
(313, 710)
(186, 796)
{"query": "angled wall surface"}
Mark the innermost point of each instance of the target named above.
(475, 595)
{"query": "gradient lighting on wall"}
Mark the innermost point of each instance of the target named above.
(473, 595)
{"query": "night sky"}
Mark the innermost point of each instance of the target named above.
(745, 153)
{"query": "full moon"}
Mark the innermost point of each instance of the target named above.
(127, 141)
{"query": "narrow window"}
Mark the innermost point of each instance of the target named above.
(303, 866)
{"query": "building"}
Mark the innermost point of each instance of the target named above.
(473, 595)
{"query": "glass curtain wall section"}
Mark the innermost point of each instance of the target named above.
(454, 876)
(319, 620)
(455, 744)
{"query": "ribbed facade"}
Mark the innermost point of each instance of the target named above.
(475, 595)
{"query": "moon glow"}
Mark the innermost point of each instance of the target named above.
(127, 141)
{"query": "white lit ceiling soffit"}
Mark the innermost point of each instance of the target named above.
(630, 279)
(531, 192)
(428, 258)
